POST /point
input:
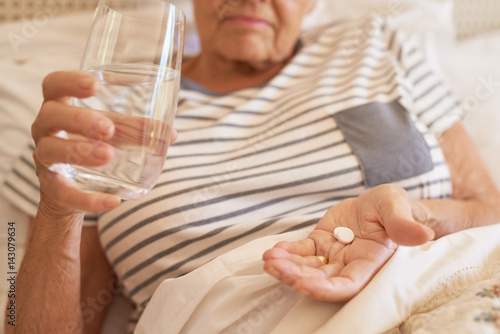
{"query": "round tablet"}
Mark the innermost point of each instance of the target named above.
(344, 234)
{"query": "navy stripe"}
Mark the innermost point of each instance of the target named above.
(388, 69)
(428, 91)
(423, 77)
(29, 163)
(233, 214)
(434, 104)
(301, 225)
(189, 178)
(409, 188)
(35, 187)
(341, 80)
(393, 89)
(441, 116)
(414, 67)
(266, 150)
(14, 189)
(204, 252)
(389, 79)
(198, 118)
(207, 185)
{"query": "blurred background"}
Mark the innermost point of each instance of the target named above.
(471, 16)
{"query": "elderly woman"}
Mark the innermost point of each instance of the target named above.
(276, 127)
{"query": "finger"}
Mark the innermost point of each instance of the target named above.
(61, 192)
(303, 247)
(56, 116)
(288, 268)
(140, 132)
(52, 150)
(173, 136)
(279, 253)
(400, 226)
(62, 84)
(339, 287)
(395, 215)
(288, 250)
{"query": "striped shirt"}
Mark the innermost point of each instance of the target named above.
(357, 106)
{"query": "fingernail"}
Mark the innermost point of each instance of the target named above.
(101, 152)
(88, 83)
(304, 292)
(432, 234)
(111, 202)
(273, 272)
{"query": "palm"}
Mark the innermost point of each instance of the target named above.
(351, 266)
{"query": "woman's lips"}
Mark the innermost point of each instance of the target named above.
(248, 21)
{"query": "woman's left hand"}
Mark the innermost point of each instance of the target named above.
(381, 218)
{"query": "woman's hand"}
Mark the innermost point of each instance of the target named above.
(86, 144)
(381, 218)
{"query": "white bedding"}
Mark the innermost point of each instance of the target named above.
(232, 294)
(58, 44)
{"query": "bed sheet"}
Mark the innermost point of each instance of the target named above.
(29, 50)
(232, 294)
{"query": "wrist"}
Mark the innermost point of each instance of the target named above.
(57, 228)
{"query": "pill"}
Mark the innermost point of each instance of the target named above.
(344, 234)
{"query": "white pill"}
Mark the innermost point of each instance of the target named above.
(344, 234)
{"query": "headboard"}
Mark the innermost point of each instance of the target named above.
(472, 17)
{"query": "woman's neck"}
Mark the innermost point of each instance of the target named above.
(225, 76)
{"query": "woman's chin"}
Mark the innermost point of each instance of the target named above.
(251, 53)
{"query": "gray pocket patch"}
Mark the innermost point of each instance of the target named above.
(385, 141)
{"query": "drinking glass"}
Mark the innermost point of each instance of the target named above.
(135, 50)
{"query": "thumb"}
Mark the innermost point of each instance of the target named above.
(397, 219)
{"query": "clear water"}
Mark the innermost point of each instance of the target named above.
(142, 108)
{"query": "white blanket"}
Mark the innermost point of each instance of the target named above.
(232, 294)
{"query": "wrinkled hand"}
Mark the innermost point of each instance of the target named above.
(381, 218)
(87, 144)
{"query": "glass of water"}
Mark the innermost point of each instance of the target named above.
(135, 50)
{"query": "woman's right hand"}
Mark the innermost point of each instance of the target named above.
(87, 130)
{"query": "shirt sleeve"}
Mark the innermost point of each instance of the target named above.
(432, 100)
(22, 188)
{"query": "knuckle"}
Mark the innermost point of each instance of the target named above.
(390, 188)
(35, 156)
(46, 84)
(45, 113)
(34, 129)
(37, 164)
(84, 120)
(38, 123)
(86, 202)
(79, 117)
(42, 150)
(396, 190)
(44, 182)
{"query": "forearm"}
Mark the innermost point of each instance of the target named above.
(475, 200)
(48, 283)
(446, 216)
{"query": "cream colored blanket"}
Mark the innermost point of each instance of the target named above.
(451, 285)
